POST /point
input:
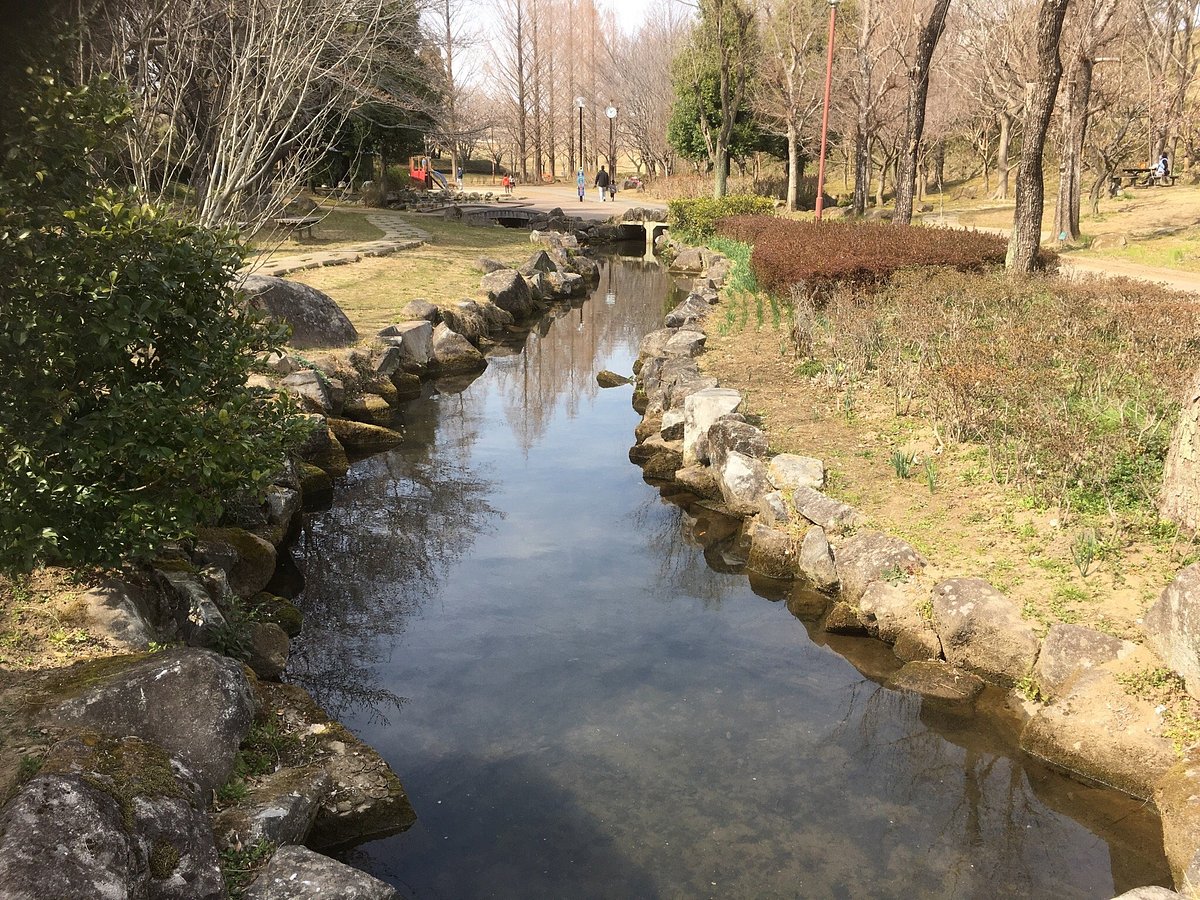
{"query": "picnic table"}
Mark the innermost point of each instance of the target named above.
(1146, 177)
(299, 224)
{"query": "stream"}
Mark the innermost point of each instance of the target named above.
(582, 701)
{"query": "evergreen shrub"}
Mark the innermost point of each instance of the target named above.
(695, 218)
(125, 417)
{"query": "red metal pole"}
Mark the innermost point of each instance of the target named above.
(825, 114)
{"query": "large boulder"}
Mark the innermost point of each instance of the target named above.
(194, 704)
(249, 559)
(311, 389)
(1069, 649)
(833, 516)
(453, 353)
(509, 291)
(1177, 797)
(871, 556)
(296, 873)
(122, 612)
(421, 309)
(700, 411)
(466, 318)
(364, 438)
(789, 472)
(1100, 730)
(690, 259)
(1173, 626)
(280, 807)
(732, 434)
(316, 320)
(892, 613)
(772, 553)
(743, 481)
(414, 340)
(982, 630)
(107, 817)
(816, 560)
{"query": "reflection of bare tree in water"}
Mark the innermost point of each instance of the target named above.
(681, 568)
(558, 366)
(379, 555)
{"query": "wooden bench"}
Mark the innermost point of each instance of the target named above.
(1146, 178)
(298, 224)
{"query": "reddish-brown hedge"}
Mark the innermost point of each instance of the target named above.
(787, 253)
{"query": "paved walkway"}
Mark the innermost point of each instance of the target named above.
(397, 235)
(544, 197)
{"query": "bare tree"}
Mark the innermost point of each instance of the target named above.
(1026, 237)
(237, 102)
(787, 90)
(876, 64)
(643, 63)
(914, 116)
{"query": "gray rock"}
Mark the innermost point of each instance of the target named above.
(692, 311)
(700, 411)
(421, 309)
(316, 320)
(1177, 797)
(108, 818)
(414, 339)
(773, 553)
(453, 353)
(493, 316)
(282, 506)
(833, 516)
(816, 560)
(843, 619)
(743, 481)
(732, 434)
(789, 472)
(1068, 649)
(685, 343)
(490, 265)
(671, 427)
(194, 704)
(122, 612)
(296, 873)
(200, 619)
(508, 290)
(688, 260)
(254, 557)
(388, 362)
(1173, 626)
(607, 379)
(982, 630)
(466, 318)
(310, 389)
(269, 650)
(873, 556)
(280, 808)
(368, 408)
(363, 437)
(1149, 892)
(654, 344)
(539, 262)
(1101, 731)
(773, 511)
(700, 480)
(937, 680)
(891, 611)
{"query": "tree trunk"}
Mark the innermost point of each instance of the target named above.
(1180, 498)
(721, 171)
(862, 170)
(793, 187)
(1074, 126)
(914, 117)
(1002, 170)
(1026, 237)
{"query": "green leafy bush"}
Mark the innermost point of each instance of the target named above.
(788, 253)
(124, 353)
(695, 219)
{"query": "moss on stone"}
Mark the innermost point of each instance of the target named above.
(164, 857)
(269, 608)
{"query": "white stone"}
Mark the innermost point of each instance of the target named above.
(743, 482)
(700, 411)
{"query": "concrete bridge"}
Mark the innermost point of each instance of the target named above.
(519, 216)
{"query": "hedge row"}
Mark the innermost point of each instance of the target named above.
(695, 218)
(787, 253)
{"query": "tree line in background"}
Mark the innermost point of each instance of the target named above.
(237, 106)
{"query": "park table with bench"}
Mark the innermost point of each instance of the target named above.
(298, 224)
(1145, 178)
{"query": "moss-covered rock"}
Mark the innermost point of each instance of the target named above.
(359, 437)
(255, 558)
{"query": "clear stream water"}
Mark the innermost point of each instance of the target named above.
(582, 701)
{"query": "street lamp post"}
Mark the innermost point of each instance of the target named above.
(611, 112)
(579, 104)
(833, 5)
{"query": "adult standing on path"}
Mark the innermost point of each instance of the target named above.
(581, 184)
(602, 183)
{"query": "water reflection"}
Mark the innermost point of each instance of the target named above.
(596, 712)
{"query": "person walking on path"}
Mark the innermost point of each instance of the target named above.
(602, 183)
(581, 184)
